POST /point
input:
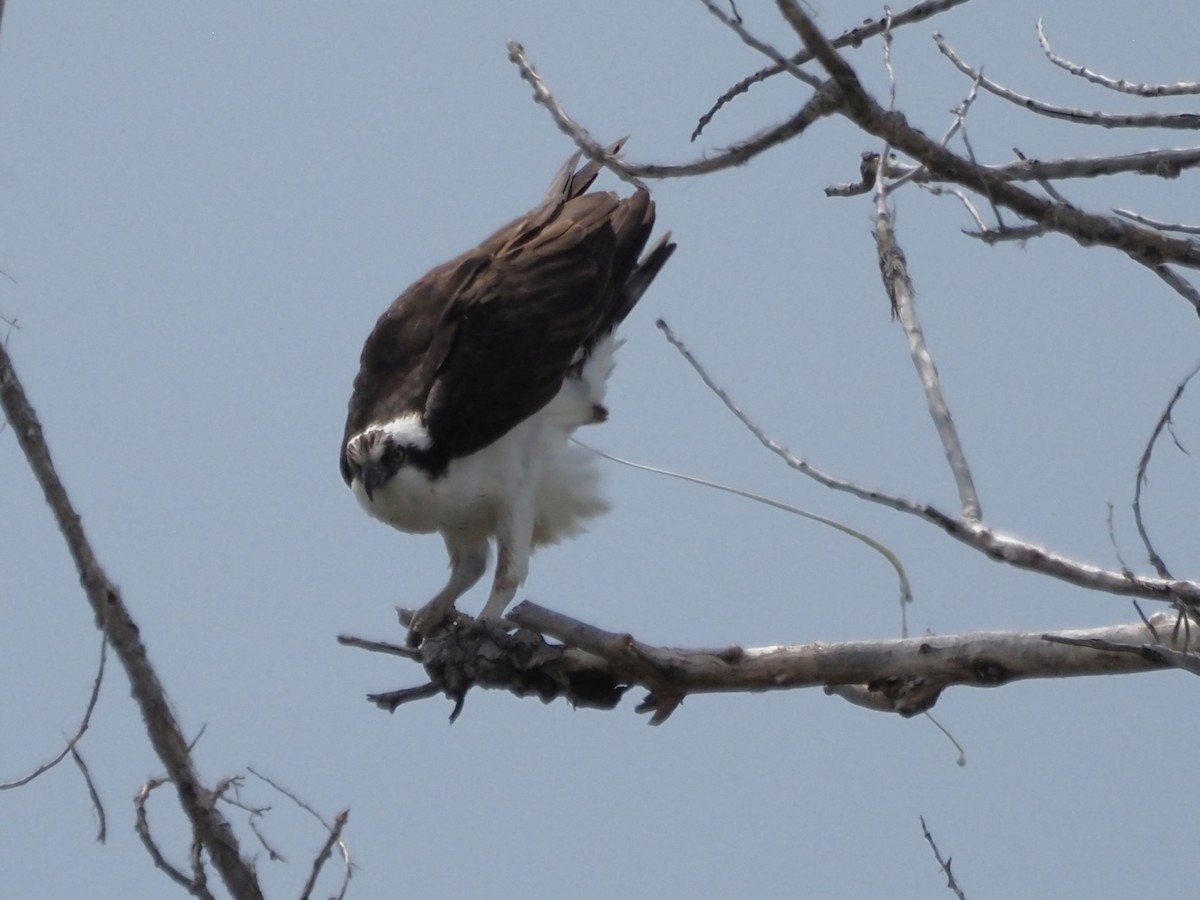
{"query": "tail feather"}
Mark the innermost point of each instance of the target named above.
(567, 183)
(640, 279)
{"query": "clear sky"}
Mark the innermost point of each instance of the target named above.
(204, 208)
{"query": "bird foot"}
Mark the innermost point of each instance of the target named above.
(431, 617)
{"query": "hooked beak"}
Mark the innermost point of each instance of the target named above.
(374, 476)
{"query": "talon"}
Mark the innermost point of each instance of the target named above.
(428, 619)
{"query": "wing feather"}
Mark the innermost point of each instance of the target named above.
(484, 341)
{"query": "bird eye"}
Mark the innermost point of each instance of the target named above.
(396, 455)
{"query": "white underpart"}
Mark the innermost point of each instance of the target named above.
(530, 488)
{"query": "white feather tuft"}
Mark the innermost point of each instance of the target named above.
(407, 431)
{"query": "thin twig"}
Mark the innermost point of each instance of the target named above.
(334, 839)
(894, 269)
(1158, 223)
(93, 795)
(943, 863)
(195, 884)
(1044, 183)
(1179, 89)
(938, 190)
(822, 104)
(379, 646)
(1171, 278)
(1112, 539)
(1189, 662)
(996, 545)
(1186, 121)
(79, 731)
(1143, 465)
(736, 25)
(852, 38)
(1168, 164)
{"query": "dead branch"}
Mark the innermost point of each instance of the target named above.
(844, 94)
(822, 104)
(333, 839)
(197, 883)
(1179, 89)
(1186, 121)
(1169, 164)
(854, 37)
(894, 269)
(943, 864)
(554, 656)
(113, 618)
(1143, 466)
(1086, 228)
(74, 740)
(734, 23)
(1158, 223)
(997, 545)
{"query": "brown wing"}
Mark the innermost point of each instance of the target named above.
(553, 288)
(483, 342)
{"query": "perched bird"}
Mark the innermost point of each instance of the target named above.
(473, 381)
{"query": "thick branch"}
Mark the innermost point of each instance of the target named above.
(905, 675)
(122, 633)
(1086, 228)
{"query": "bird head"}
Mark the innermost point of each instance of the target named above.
(378, 452)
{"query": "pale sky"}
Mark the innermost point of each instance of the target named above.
(205, 207)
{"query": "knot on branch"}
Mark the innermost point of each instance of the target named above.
(908, 695)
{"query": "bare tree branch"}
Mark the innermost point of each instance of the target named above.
(822, 104)
(593, 667)
(1085, 228)
(93, 795)
(1172, 279)
(1157, 223)
(75, 738)
(1157, 163)
(1187, 121)
(784, 64)
(122, 633)
(334, 839)
(1180, 88)
(852, 38)
(197, 883)
(944, 864)
(1143, 466)
(995, 544)
(894, 269)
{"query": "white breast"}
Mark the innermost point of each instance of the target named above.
(535, 455)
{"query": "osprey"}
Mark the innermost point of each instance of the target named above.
(472, 382)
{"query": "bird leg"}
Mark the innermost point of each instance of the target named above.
(468, 562)
(514, 543)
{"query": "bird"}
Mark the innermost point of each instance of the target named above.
(473, 381)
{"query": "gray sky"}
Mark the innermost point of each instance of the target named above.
(204, 208)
